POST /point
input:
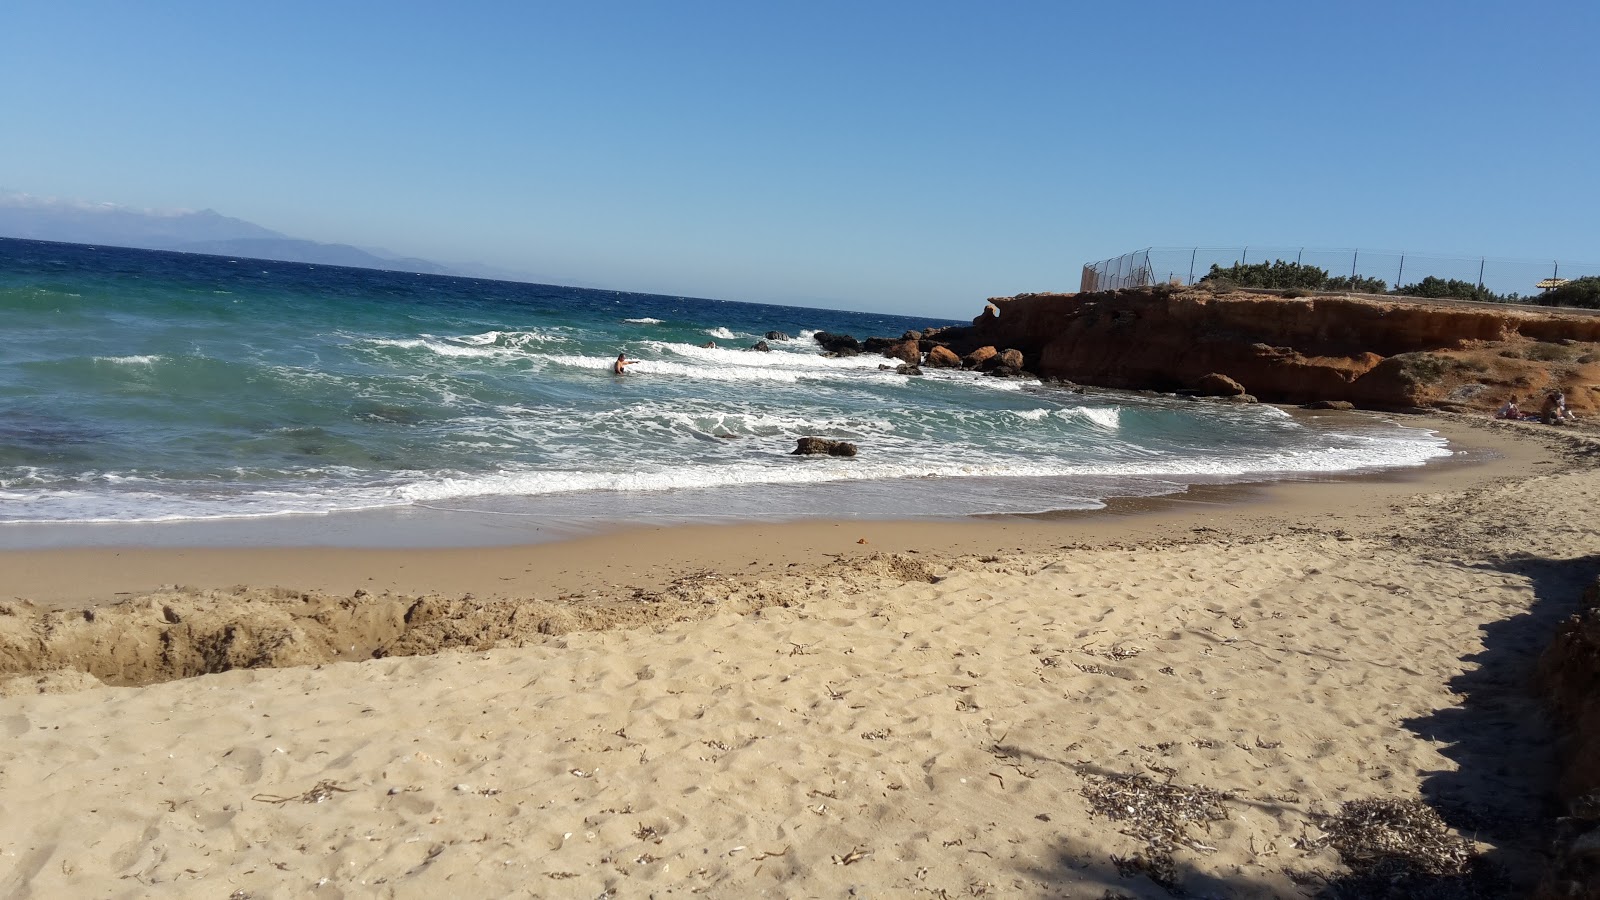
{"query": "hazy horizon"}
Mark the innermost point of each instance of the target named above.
(902, 158)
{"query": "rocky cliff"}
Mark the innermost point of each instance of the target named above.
(1375, 353)
(1569, 675)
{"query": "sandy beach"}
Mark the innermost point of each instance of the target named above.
(1191, 694)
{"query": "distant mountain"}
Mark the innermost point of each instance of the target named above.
(292, 250)
(206, 231)
(24, 216)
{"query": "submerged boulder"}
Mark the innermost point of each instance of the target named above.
(762, 346)
(836, 343)
(815, 446)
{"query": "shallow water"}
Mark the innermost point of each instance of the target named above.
(141, 386)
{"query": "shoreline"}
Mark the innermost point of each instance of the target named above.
(1201, 694)
(620, 558)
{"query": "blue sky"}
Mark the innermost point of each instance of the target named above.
(897, 157)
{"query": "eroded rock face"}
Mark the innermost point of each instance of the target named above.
(1569, 678)
(1374, 353)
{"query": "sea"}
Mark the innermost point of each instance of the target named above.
(141, 387)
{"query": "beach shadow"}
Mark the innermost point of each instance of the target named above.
(1500, 736)
(1081, 871)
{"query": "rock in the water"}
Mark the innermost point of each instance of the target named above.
(943, 358)
(911, 336)
(1004, 372)
(815, 446)
(835, 343)
(840, 354)
(709, 345)
(978, 357)
(1216, 384)
(908, 369)
(762, 346)
(1010, 359)
(776, 336)
(906, 351)
(877, 344)
(1329, 404)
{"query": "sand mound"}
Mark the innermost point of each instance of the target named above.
(181, 632)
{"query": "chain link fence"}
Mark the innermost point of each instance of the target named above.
(1510, 278)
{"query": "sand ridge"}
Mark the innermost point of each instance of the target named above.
(899, 725)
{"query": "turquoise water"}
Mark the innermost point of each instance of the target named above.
(145, 386)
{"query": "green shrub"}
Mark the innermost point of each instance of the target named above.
(1547, 352)
(1452, 288)
(1580, 292)
(1423, 368)
(1356, 284)
(1276, 274)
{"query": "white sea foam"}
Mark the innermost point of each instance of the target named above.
(129, 360)
(644, 321)
(433, 345)
(1105, 417)
(721, 333)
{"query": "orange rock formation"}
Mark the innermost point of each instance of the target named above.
(1375, 353)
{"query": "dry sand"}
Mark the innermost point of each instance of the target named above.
(1182, 694)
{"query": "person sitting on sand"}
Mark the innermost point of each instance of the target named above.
(618, 367)
(1554, 410)
(1509, 411)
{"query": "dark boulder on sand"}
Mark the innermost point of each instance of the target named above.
(1215, 384)
(815, 446)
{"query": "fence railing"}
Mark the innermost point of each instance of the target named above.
(1187, 265)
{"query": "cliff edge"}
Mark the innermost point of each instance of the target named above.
(1376, 353)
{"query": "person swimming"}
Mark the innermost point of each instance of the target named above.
(623, 362)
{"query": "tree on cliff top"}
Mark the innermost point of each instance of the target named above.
(1277, 274)
(1581, 292)
(1356, 284)
(1454, 288)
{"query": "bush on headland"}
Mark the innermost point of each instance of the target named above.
(1452, 288)
(1581, 292)
(1297, 279)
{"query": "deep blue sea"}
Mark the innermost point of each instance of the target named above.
(148, 386)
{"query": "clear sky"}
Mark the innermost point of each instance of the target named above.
(908, 157)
